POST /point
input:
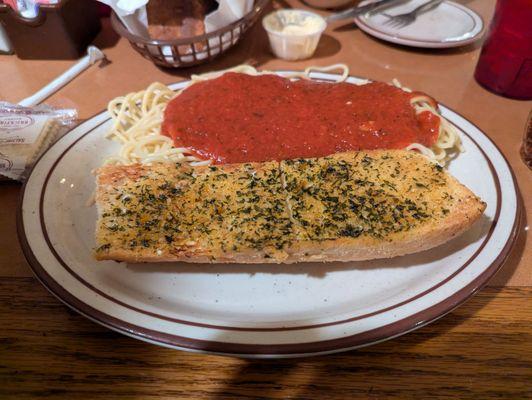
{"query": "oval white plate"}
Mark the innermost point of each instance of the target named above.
(448, 25)
(259, 310)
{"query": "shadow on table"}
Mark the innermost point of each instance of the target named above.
(103, 364)
(328, 46)
(371, 367)
(253, 49)
(375, 368)
(84, 358)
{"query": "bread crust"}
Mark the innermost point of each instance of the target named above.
(172, 19)
(388, 204)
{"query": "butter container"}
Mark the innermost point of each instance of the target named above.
(294, 34)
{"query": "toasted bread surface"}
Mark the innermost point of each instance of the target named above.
(346, 207)
(379, 204)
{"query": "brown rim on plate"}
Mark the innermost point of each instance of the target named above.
(390, 331)
(251, 329)
(364, 338)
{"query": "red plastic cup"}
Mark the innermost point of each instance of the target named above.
(505, 63)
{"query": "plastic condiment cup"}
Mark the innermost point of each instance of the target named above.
(294, 34)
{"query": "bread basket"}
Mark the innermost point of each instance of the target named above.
(194, 50)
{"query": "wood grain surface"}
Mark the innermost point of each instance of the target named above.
(481, 350)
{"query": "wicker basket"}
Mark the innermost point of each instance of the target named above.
(193, 50)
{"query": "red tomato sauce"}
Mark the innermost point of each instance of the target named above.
(242, 118)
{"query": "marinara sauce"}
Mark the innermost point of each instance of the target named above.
(241, 118)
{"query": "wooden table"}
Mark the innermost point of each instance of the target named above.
(481, 350)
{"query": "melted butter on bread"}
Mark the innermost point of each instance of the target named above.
(345, 207)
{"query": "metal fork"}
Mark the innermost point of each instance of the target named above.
(402, 20)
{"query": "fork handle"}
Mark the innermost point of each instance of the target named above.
(425, 7)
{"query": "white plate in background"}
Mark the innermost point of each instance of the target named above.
(448, 25)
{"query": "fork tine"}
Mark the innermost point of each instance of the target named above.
(397, 23)
(394, 21)
(390, 19)
(401, 20)
(405, 22)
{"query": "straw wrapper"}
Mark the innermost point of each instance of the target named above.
(94, 55)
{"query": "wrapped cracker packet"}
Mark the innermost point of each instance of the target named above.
(25, 133)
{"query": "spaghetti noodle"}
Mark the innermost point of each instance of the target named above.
(137, 119)
(448, 143)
